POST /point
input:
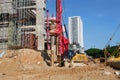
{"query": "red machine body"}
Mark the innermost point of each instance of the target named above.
(63, 41)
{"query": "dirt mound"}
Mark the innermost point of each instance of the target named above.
(21, 60)
(8, 65)
(26, 56)
(28, 64)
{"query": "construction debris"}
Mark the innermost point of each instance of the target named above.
(117, 73)
(107, 73)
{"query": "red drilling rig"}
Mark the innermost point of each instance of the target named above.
(60, 40)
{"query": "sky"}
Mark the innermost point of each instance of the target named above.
(101, 20)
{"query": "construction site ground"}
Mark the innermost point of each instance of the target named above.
(27, 64)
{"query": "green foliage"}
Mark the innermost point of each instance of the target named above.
(111, 49)
(95, 53)
(115, 51)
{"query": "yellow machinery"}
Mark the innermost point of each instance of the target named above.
(80, 57)
(114, 61)
(77, 60)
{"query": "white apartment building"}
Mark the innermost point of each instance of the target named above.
(76, 31)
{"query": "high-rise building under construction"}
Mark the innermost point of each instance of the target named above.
(76, 31)
(22, 23)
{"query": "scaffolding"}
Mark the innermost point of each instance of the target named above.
(22, 23)
(5, 10)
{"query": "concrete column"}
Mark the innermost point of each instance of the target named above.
(40, 24)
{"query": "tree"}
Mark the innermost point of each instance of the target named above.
(115, 51)
(94, 52)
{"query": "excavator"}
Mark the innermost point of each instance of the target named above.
(114, 59)
(76, 55)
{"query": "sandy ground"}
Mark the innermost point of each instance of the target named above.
(29, 65)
